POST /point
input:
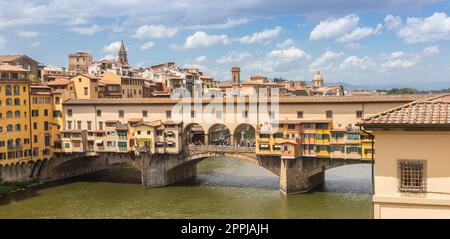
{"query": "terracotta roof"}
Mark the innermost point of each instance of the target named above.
(59, 81)
(108, 82)
(284, 100)
(430, 113)
(7, 67)
(39, 87)
(150, 123)
(58, 91)
(170, 122)
(87, 75)
(135, 120)
(8, 58)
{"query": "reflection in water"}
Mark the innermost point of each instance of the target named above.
(223, 188)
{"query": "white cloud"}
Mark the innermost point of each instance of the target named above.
(433, 28)
(353, 63)
(112, 47)
(27, 34)
(325, 58)
(202, 39)
(35, 44)
(353, 46)
(286, 43)
(360, 33)
(233, 57)
(200, 59)
(392, 22)
(258, 37)
(396, 54)
(278, 61)
(147, 45)
(76, 21)
(132, 13)
(288, 54)
(109, 57)
(432, 50)
(334, 27)
(155, 32)
(87, 30)
(228, 24)
(398, 63)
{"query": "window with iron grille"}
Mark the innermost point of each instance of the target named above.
(412, 175)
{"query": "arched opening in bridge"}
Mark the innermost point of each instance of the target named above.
(219, 134)
(244, 135)
(194, 134)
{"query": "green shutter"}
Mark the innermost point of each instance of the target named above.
(122, 144)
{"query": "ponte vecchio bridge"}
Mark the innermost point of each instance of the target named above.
(296, 175)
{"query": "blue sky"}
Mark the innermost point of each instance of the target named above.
(371, 43)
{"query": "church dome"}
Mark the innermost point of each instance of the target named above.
(318, 77)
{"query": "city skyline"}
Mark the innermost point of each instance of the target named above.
(359, 44)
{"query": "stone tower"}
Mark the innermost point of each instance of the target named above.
(236, 75)
(123, 59)
(317, 80)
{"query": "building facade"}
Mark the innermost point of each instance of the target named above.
(412, 170)
(79, 62)
(27, 124)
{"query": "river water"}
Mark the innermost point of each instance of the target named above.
(223, 188)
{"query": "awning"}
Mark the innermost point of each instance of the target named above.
(99, 141)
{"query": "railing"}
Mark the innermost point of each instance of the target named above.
(221, 149)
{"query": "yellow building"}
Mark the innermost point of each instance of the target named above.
(145, 136)
(58, 97)
(85, 86)
(28, 127)
(279, 139)
(295, 138)
(42, 126)
(322, 133)
(412, 170)
(15, 140)
(367, 147)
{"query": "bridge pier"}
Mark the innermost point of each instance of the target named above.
(296, 176)
(163, 169)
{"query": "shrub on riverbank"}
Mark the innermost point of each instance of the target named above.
(9, 187)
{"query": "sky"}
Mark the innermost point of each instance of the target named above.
(399, 43)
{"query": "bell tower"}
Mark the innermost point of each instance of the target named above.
(123, 59)
(236, 75)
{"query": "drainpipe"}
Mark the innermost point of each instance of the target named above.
(372, 137)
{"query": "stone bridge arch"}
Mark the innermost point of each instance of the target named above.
(244, 135)
(195, 134)
(197, 154)
(219, 134)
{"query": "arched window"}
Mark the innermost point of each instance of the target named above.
(8, 101)
(16, 90)
(18, 127)
(16, 101)
(57, 100)
(17, 114)
(8, 90)
(9, 114)
(10, 143)
(10, 128)
(18, 141)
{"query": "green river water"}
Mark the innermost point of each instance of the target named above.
(223, 188)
